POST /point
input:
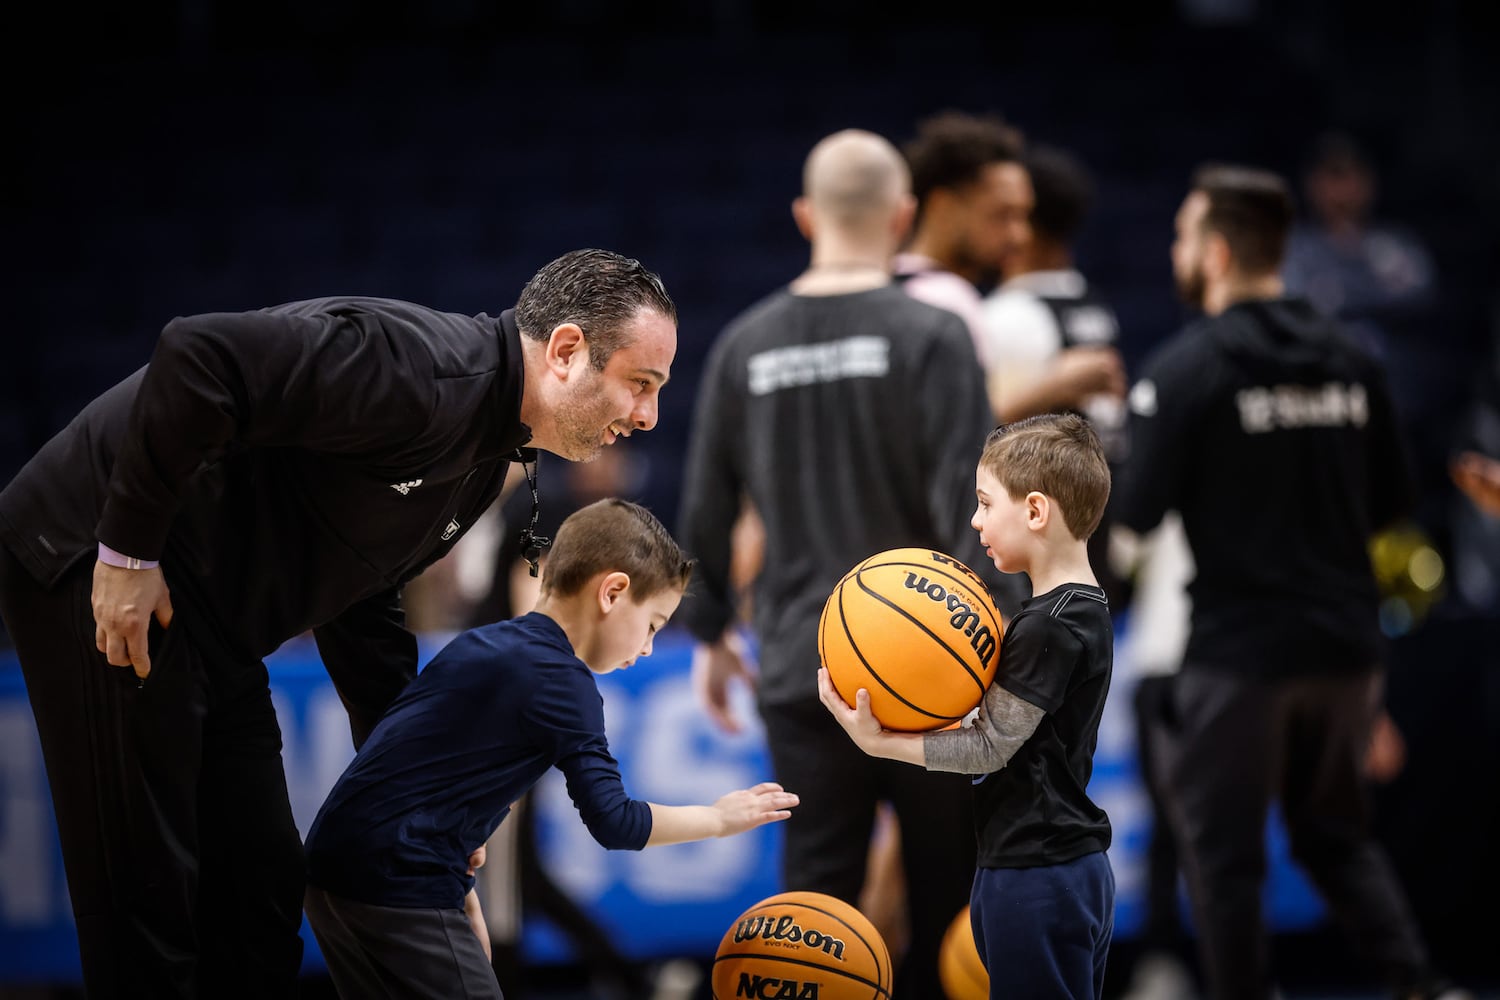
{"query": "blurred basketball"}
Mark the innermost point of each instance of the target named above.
(802, 944)
(917, 629)
(959, 968)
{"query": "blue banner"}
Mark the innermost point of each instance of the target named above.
(657, 903)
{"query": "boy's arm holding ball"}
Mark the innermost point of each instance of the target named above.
(735, 813)
(1004, 723)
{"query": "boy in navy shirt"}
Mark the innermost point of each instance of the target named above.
(392, 852)
(1042, 906)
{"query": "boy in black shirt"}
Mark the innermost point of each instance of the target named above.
(1042, 906)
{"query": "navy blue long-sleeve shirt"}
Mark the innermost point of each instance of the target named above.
(479, 726)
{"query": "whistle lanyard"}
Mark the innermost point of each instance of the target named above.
(532, 544)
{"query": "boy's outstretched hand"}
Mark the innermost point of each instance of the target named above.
(735, 813)
(749, 808)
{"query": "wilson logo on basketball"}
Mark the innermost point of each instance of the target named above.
(771, 988)
(964, 618)
(787, 929)
(801, 944)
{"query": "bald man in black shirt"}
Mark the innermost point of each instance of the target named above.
(851, 415)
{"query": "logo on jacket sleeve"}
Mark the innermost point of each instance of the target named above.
(1143, 398)
(406, 487)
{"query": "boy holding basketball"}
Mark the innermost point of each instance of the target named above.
(1042, 905)
(392, 852)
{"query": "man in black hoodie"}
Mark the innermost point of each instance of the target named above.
(269, 473)
(1274, 435)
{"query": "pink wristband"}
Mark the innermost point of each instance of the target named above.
(110, 557)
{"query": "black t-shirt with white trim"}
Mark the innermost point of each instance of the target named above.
(1057, 654)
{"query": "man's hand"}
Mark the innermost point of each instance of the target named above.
(1386, 754)
(1067, 382)
(1080, 372)
(715, 665)
(471, 904)
(124, 601)
(477, 922)
(1479, 478)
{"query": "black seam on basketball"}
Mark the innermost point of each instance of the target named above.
(830, 914)
(994, 620)
(933, 635)
(772, 957)
(871, 670)
(823, 628)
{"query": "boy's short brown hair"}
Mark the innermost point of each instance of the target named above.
(609, 535)
(1058, 454)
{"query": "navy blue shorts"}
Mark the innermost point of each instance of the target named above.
(1045, 932)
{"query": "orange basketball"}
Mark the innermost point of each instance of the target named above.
(802, 944)
(917, 629)
(962, 974)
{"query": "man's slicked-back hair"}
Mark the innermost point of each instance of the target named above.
(1064, 192)
(615, 535)
(952, 148)
(1252, 209)
(598, 290)
(1058, 454)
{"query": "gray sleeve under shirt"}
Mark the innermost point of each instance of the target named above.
(1004, 723)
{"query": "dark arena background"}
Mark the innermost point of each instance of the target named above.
(170, 158)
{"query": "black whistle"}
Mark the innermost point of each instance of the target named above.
(534, 544)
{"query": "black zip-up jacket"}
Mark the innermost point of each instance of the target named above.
(854, 423)
(1276, 438)
(291, 467)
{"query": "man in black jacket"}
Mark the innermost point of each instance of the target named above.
(851, 416)
(268, 473)
(1275, 437)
